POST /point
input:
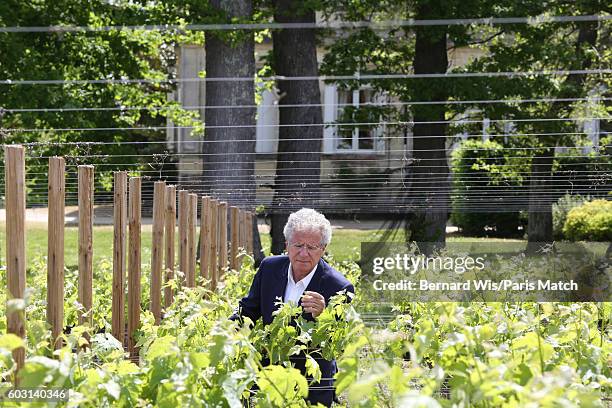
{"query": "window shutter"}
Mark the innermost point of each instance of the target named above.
(266, 133)
(380, 132)
(330, 110)
(190, 64)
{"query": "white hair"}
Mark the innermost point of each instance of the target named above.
(307, 220)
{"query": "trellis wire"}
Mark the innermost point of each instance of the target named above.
(363, 77)
(532, 20)
(278, 105)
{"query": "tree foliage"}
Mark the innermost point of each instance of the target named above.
(520, 47)
(87, 122)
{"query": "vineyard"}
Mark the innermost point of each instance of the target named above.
(190, 354)
(426, 354)
(173, 169)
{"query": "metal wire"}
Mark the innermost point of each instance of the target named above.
(278, 105)
(356, 77)
(377, 25)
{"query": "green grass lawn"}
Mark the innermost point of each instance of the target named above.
(345, 243)
(36, 238)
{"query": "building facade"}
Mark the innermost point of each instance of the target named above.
(354, 160)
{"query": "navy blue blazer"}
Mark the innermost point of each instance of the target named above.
(270, 283)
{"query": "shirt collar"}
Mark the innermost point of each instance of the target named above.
(305, 280)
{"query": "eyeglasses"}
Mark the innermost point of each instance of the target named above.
(309, 248)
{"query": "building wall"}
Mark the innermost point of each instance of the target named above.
(386, 154)
(389, 154)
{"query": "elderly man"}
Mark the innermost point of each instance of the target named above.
(301, 277)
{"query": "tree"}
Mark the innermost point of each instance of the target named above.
(299, 148)
(229, 165)
(120, 112)
(540, 211)
(555, 47)
(507, 47)
(115, 112)
(409, 50)
(429, 177)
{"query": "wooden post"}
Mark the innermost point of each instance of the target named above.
(234, 221)
(212, 266)
(157, 248)
(86, 200)
(170, 221)
(188, 221)
(55, 248)
(243, 230)
(222, 238)
(119, 255)
(205, 222)
(249, 231)
(14, 168)
(192, 218)
(183, 211)
(134, 264)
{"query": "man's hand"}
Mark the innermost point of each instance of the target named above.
(313, 302)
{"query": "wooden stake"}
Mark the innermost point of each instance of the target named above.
(235, 237)
(214, 245)
(86, 200)
(222, 238)
(170, 221)
(119, 255)
(192, 230)
(249, 231)
(134, 265)
(55, 248)
(205, 238)
(157, 248)
(183, 232)
(242, 232)
(14, 168)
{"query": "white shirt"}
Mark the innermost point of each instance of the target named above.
(294, 291)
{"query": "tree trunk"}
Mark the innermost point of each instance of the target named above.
(539, 227)
(229, 164)
(298, 166)
(541, 197)
(429, 179)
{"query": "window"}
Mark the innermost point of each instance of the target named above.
(343, 105)
(266, 133)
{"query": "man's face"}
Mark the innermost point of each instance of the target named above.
(304, 251)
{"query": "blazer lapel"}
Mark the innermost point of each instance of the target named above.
(280, 283)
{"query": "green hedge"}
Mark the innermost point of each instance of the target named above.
(485, 174)
(591, 221)
(560, 210)
(482, 174)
